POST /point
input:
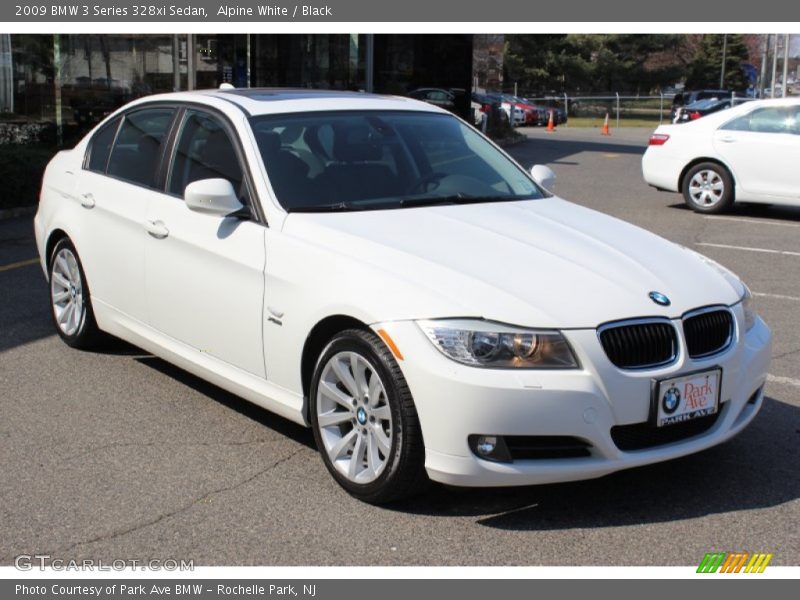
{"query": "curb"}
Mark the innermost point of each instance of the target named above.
(13, 213)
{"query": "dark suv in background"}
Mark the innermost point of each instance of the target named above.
(684, 98)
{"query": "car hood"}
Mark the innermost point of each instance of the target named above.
(538, 263)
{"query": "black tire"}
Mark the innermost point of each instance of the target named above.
(87, 335)
(404, 472)
(708, 201)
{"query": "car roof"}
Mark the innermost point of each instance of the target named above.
(263, 101)
(788, 101)
(718, 118)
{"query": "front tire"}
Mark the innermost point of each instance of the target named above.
(70, 302)
(708, 188)
(364, 420)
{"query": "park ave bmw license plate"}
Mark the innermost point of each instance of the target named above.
(687, 397)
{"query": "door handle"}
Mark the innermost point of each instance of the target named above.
(87, 200)
(728, 139)
(157, 229)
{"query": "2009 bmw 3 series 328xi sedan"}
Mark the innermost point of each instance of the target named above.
(376, 269)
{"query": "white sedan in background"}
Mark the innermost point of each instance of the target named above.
(748, 153)
(376, 269)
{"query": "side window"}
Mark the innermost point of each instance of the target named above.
(772, 119)
(204, 151)
(138, 146)
(100, 148)
(793, 120)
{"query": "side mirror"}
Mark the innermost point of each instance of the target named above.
(544, 176)
(212, 197)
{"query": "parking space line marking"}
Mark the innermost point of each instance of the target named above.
(747, 220)
(776, 296)
(749, 249)
(784, 380)
(19, 264)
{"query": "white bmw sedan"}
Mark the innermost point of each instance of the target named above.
(374, 268)
(749, 153)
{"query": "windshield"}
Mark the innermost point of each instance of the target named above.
(371, 160)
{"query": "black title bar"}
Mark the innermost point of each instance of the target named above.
(441, 11)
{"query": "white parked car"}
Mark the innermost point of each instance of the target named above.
(748, 153)
(510, 109)
(374, 268)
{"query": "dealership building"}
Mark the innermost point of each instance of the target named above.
(69, 82)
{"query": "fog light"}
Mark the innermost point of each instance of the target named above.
(489, 447)
(486, 444)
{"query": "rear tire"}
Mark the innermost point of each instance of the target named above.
(70, 301)
(364, 420)
(708, 188)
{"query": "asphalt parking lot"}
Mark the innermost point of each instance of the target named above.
(118, 455)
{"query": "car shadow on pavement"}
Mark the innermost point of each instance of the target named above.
(755, 470)
(763, 212)
(546, 151)
(285, 427)
(24, 293)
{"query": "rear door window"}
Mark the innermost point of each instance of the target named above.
(138, 146)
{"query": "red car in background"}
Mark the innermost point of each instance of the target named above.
(533, 115)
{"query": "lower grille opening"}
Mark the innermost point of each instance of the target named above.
(532, 447)
(640, 436)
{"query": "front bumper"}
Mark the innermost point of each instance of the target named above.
(455, 401)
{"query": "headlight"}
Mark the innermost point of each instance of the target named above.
(748, 305)
(494, 345)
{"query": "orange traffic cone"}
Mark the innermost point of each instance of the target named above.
(550, 125)
(604, 130)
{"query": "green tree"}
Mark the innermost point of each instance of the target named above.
(706, 65)
(546, 62)
(627, 63)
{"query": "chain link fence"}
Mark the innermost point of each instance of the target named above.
(621, 109)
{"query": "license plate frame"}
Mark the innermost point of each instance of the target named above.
(660, 416)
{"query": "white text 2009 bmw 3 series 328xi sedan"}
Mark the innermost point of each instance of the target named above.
(376, 269)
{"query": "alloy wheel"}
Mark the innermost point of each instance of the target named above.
(66, 292)
(354, 417)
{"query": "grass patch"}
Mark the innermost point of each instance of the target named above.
(21, 170)
(623, 122)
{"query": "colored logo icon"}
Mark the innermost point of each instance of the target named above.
(659, 298)
(671, 400)
(734, 562)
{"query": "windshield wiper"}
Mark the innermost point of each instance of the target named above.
(431, 201)
(458, 199)
(451, 200)
(320, 208)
